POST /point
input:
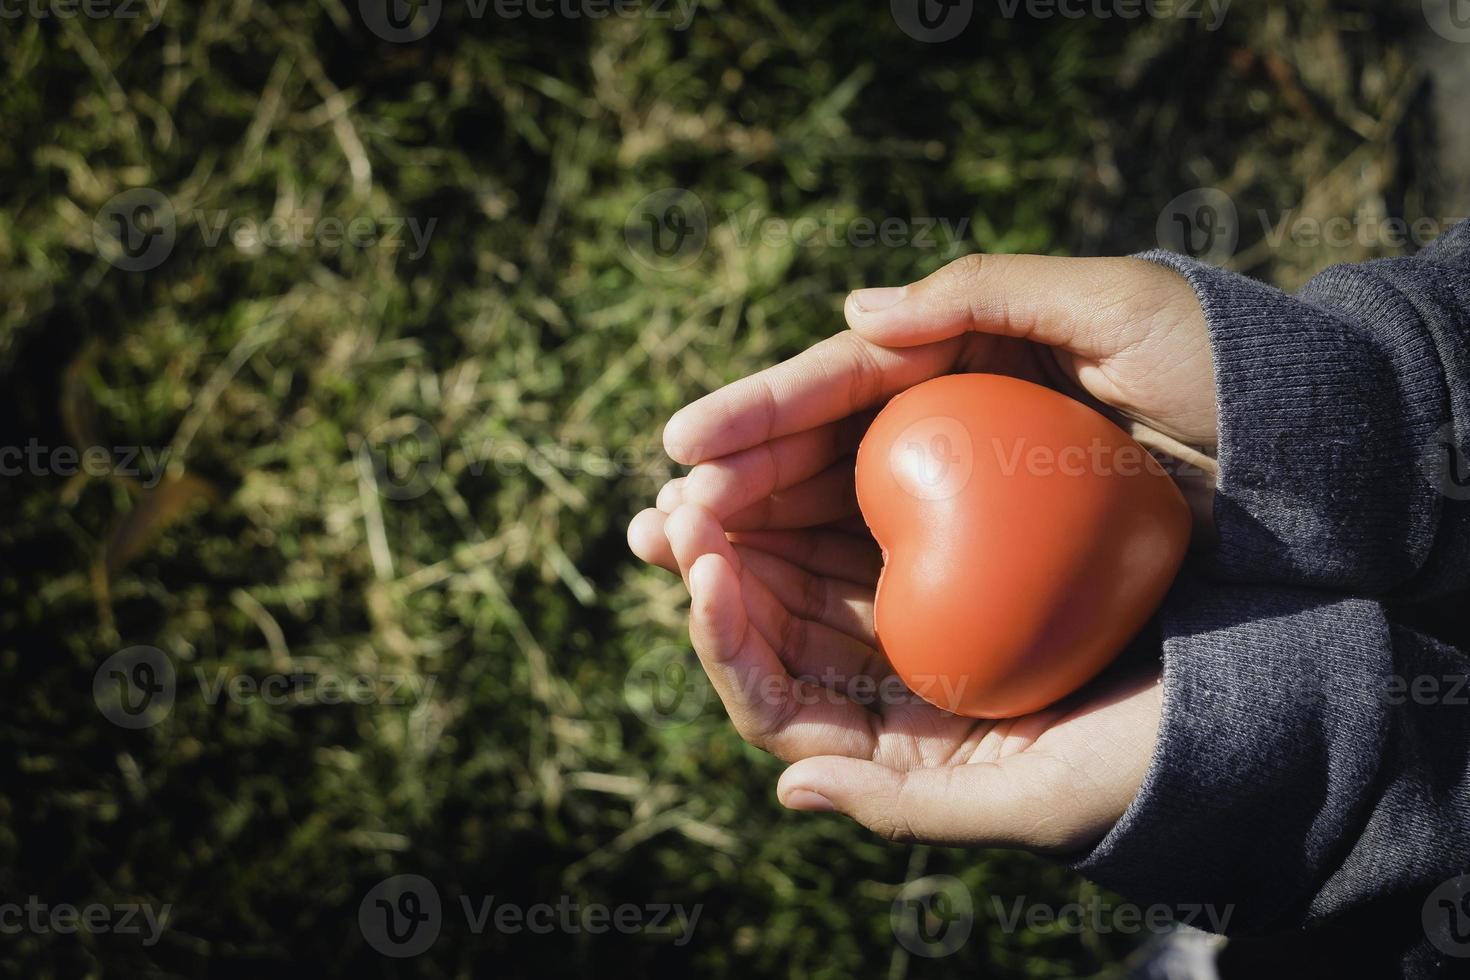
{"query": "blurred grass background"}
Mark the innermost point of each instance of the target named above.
(542, 353)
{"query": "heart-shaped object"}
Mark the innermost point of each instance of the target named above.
(1026, 539)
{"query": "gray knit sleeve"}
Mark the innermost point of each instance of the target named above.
(1313, 759)
(1344, 423)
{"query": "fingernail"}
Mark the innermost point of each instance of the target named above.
(805, 799)
(877, 298)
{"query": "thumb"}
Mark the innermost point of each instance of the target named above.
(1093, 307)
(982, 804)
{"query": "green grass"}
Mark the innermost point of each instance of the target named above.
(537, 346)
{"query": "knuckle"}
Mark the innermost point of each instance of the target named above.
(762, 726)
(814, 597)
(751, 731)
(966, 287)
(970, 276)
(965, 272)
(865, 376)
(770, 404)
(792, 640)
(892, 827)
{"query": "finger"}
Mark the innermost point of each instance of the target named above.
(647, 540)
(728, 483)
(821, 551)
(837, 604)
(807, 648)
(1094, 307)
(834, 378)
(849, 554)
(693, 531)
(829, 496)
(982, 804)
(771, 710)
(670, 495)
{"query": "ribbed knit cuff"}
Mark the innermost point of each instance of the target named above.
(1327, 407)
(1271, 735)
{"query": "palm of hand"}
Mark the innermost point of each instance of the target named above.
(802, 673)
(782, 573)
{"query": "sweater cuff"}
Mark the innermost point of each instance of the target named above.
(1326, 407)
(1271, 732)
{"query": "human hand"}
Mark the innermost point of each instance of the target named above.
(1124, 335)
(771, 496)
(782, 623)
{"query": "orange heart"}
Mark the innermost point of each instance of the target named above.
(1026, 539)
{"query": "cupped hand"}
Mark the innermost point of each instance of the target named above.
(781, 571)
(782, 621)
